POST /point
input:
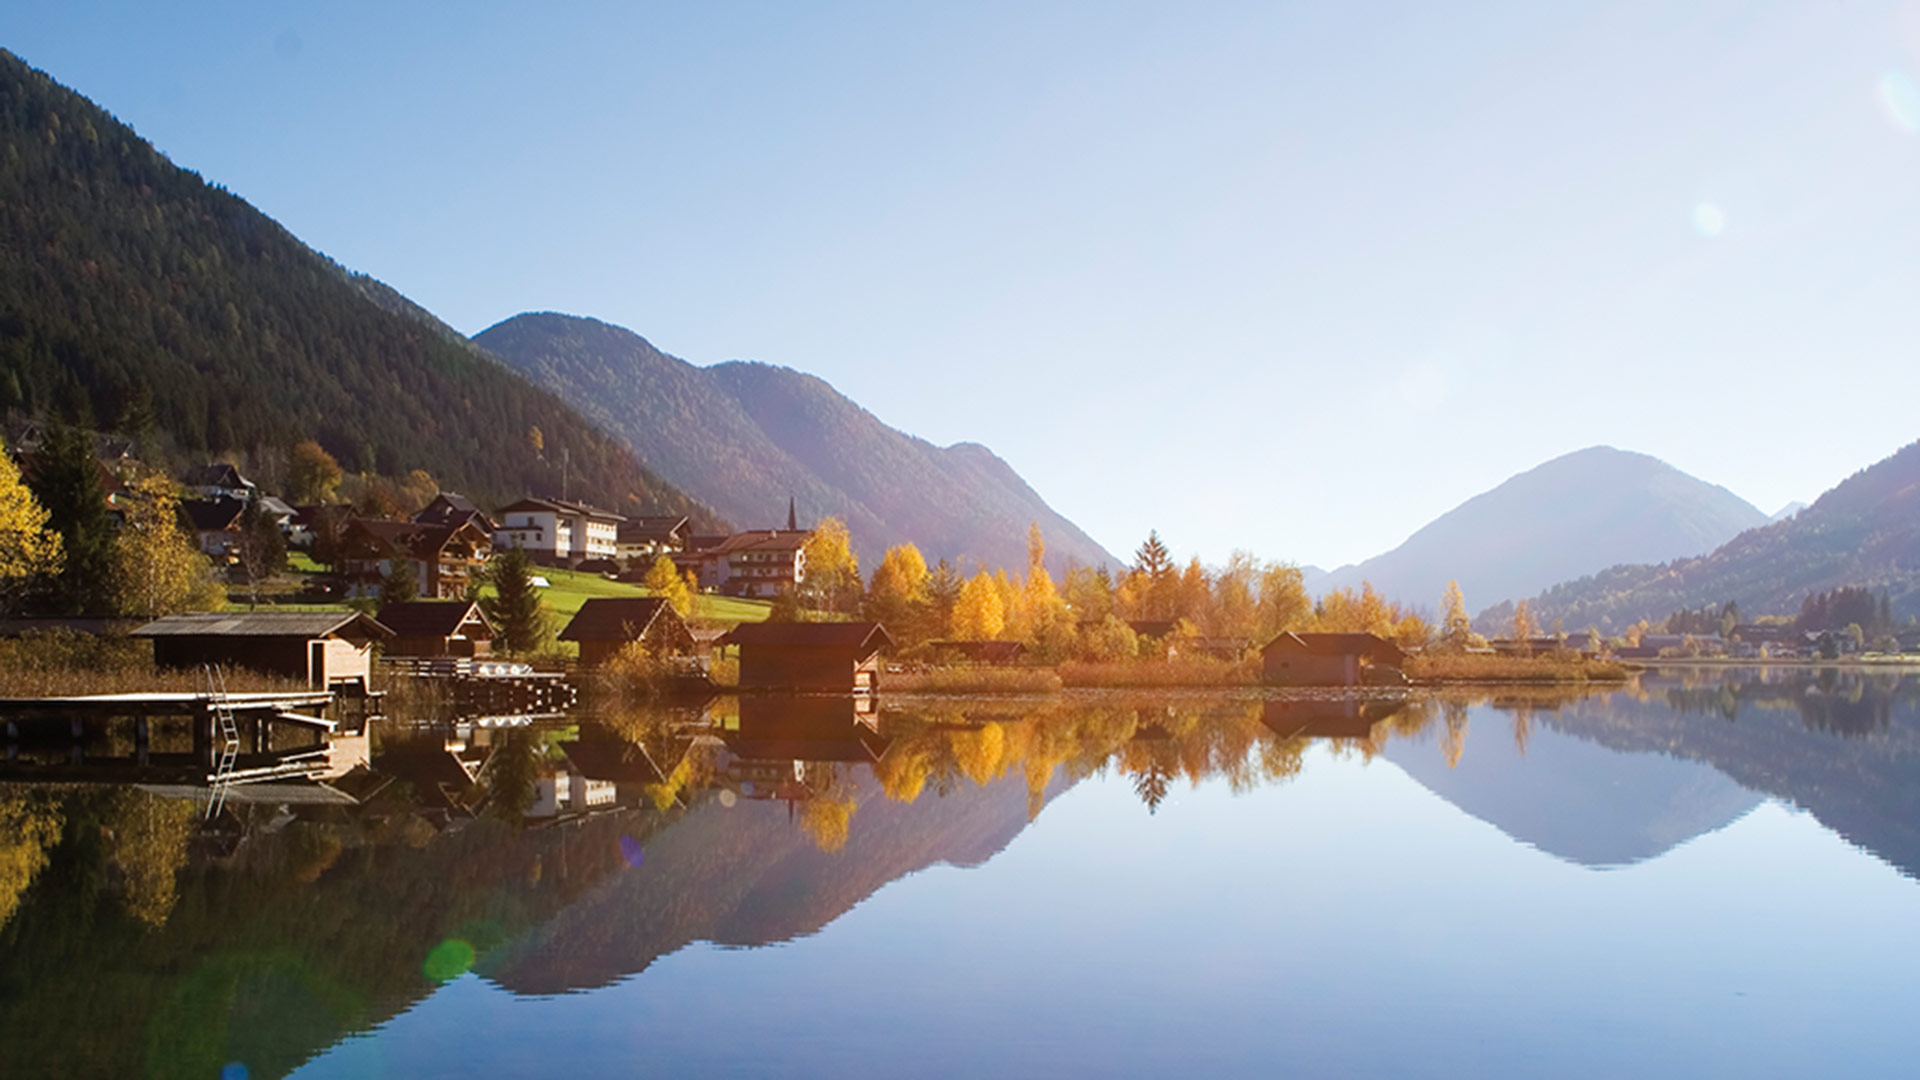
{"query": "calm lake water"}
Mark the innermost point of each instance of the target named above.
(1711, 874)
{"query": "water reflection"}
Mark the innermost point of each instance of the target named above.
(568, 856)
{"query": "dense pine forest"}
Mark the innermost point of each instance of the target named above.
(137, 297)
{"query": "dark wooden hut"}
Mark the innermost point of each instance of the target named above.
(1326, 659)
(437, 628)
(607, 624)
(815, 657)
(317, 647)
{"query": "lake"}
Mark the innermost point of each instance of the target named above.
(1711, 873)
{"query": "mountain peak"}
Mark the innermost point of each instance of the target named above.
(1574, 514)
(748, 434)
(1864, 531)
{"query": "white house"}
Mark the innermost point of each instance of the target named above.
(761, 563)
(553, 530)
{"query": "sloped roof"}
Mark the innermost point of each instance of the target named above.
(621, 762)
(449, 508)
(616, 618)
(766, 540)
(304, 624)
(216, 474)
(562, 506)
(862, 636)
(431, 618)
(653, 526)
(421, 541)
(1360, 644)
(212, 515)
(274, 506)
(311, 513)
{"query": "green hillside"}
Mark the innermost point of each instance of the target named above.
(135, 296)
(744, 437)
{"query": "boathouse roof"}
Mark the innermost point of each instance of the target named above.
(860, 636)
(303, 624)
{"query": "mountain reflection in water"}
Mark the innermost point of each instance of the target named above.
(570, 859)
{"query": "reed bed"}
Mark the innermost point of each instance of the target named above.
(65, 664)
(972, 680)
(1480, 668)
(1194, 672)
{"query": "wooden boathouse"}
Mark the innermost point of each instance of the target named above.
(319, 648)
(455, 628)
(1326, 659)
(606, 624)
(835, 658)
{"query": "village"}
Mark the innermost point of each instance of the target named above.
(357, 616)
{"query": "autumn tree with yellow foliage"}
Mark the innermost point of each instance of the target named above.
(832, 571)
(979, 614)
(899, 597)
(1036, 614)
(29, 551)
(1456, 627)
(157, 570)
(665, 581)
(1523, 627)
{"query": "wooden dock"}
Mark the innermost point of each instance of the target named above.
(171, 737)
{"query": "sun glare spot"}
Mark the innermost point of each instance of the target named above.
(1901, 100)
(1709, 220)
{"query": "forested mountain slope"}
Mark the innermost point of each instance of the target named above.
(1576, 514)
(1866, 532)
(745, 436)
(135, 296)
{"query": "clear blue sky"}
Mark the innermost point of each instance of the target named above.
(1295, 278)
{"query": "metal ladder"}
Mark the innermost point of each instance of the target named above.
(222, 778)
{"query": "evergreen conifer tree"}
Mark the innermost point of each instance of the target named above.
(66, 480)
(516, 609)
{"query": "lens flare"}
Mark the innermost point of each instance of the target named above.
(450, 959)
(1709, 220)
(728, 798)
(630, 850)
(1901, 100)
(234, 1070)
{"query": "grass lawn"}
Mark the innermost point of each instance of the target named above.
(568, 590)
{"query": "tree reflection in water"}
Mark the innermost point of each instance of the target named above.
(760, 819)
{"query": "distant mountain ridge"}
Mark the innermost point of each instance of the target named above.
(135, 295)
(1573, 515)
(1865, 531)
(745, 437)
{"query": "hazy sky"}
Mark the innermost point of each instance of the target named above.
(1295, 278)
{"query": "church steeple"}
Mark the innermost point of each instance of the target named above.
(793, 523)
